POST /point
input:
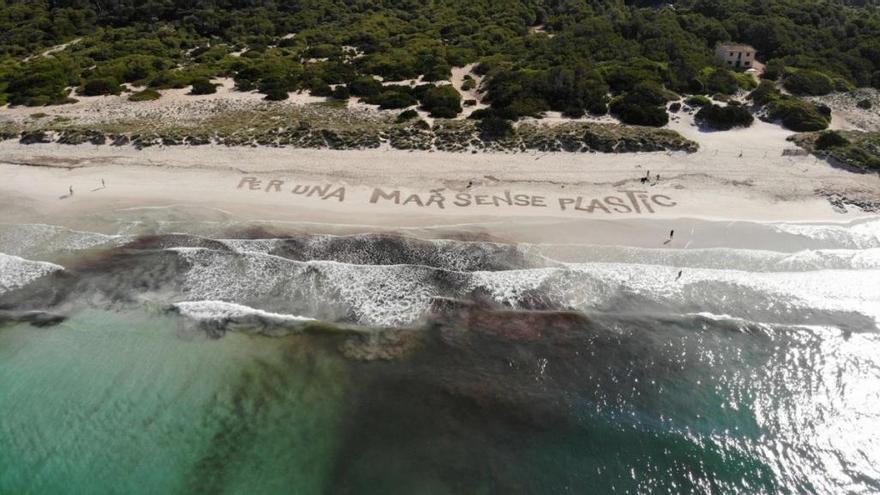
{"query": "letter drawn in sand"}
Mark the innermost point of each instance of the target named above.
(413, 198)
(252, 182)
(617, 204)
(656, 199)
(274, 183)
(462, 199)
(338, 193)
(320, 191)
(563, 202)
(506, 199)
(521, 200)
(595, 203)
(436, 198)
(380, 194)
(631, 195)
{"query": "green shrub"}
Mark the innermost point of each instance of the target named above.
(407, 115)
(393, 99)
(808, 82)
(276, 88)
(722, 81)
(365, 86)
(698, 101)
(101, 86)
(468, 84)
(798, 115)
(765, 93)
(644, 105)
(170, 79)
(320, 89)
(639, 114)
(437, 72)
(865, 104)
(442, 101)
(341, 92)
(724, 118)
(830, 139)
(145, 95)
(495, 128)
(843, 86)
(773, 70)
(39, 82)
(203, 86)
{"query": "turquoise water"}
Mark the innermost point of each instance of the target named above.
(231, 362)
(135, 402)
(123, 403)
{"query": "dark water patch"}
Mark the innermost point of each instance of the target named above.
(111, 278)
(487, 404)
(38, 319)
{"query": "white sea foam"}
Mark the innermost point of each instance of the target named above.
(31, 239)
(399, 294)
(215, 310)
(16, 272)
(372, 294)
(718, 258)
(586, 286)
(859, 234)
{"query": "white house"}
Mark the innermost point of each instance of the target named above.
(736, 55)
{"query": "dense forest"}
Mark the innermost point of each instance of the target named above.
(573, 56)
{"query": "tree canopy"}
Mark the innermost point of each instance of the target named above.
(574, 57)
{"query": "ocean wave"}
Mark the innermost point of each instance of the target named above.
(400, 294)
(35, 240)
(859, 234)
(17, 272)
(219, 310)
(385, 249)
(717, 258)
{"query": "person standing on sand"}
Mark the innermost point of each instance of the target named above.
(679, 275)
(70, 188)
(102, 183)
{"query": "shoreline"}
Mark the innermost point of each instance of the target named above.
(378, 189)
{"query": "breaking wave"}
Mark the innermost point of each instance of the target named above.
(16, 272)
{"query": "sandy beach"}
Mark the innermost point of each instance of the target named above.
(738, 175)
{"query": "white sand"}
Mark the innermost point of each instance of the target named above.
(714, 183)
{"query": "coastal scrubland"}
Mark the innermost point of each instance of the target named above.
(524, 59)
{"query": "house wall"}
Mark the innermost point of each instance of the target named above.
(736, 57)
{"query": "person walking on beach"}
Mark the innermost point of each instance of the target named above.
(102, 183)
(671, 233)
(70, 188)
(679, 275)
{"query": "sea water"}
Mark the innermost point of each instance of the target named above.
(186, 356)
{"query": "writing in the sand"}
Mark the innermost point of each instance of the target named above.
(324, 191)
(626, 202)
(623, 202)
